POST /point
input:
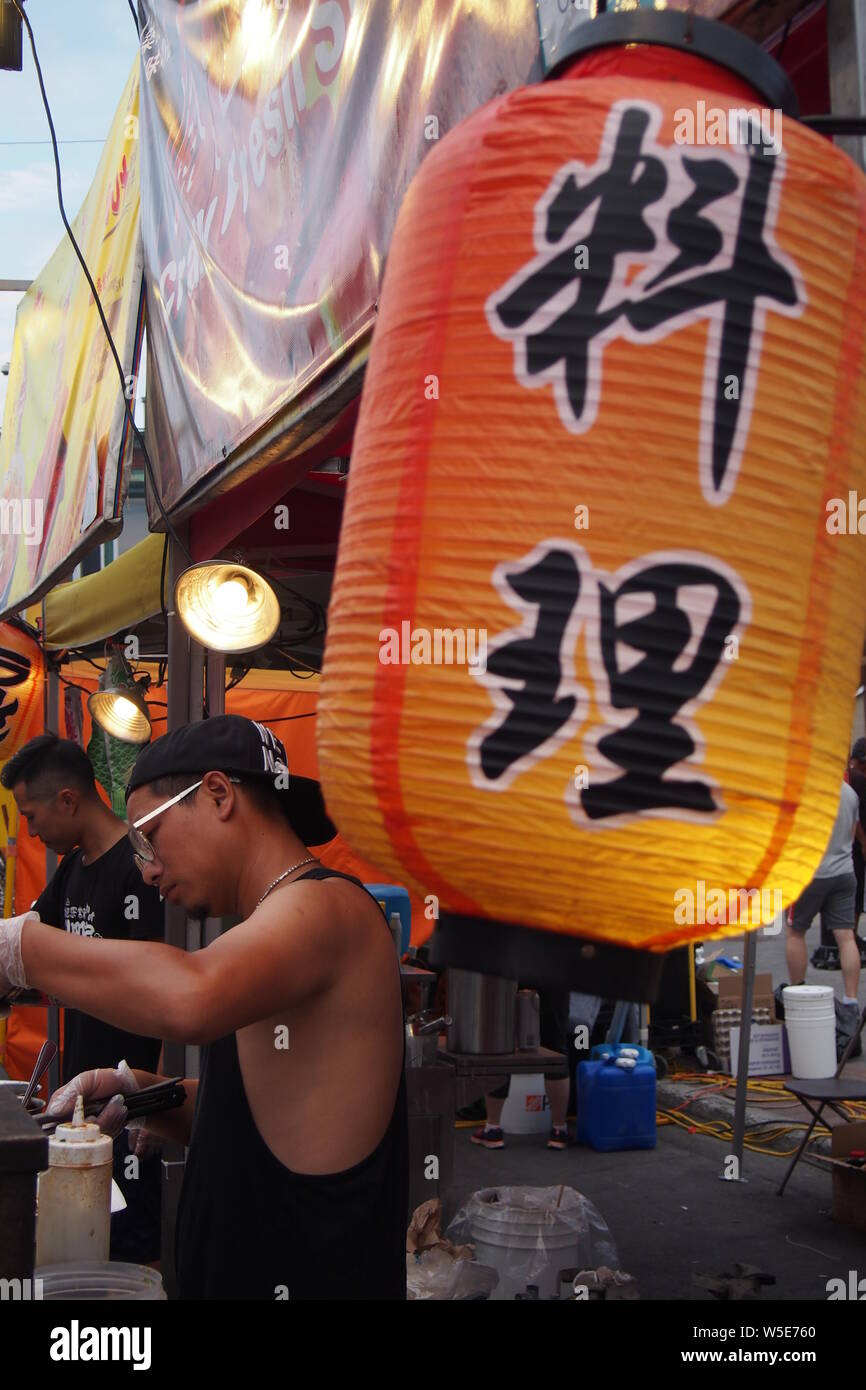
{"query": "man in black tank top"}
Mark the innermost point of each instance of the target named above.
(296, 1183)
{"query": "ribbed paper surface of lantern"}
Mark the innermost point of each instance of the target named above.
(673, 624)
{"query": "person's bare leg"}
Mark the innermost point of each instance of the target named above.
(558, 1093)
(849, 959)
(795, 954)
(494, 1110)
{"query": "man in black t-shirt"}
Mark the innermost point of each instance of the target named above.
(97, 891)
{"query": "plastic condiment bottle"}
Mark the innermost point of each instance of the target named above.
(74, 1194)
(396, 926)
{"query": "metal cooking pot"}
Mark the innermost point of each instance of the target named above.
(482, 1010)
(422, 1038)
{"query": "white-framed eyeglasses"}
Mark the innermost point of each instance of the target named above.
(143, 850)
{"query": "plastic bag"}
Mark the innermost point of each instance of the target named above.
(436, 1274)
(529, 1234)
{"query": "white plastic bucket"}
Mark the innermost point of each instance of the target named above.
(524, 1247)
(527, 1109)
(810, 1020)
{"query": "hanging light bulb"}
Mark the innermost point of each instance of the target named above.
(226, 607)
(119, 706)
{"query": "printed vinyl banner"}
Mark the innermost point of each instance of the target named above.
(278, 142)
(65, 434)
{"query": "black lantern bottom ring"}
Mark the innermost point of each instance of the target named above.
(545, 959)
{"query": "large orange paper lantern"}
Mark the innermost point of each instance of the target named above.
(595, 631)
(22, 677)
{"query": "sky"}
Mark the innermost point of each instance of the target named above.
(86, 49)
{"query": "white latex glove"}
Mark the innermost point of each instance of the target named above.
(104, 1083)
(11, 965)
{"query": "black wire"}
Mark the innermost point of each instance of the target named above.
(290, 656)
(79, 655)
(135, 18)
(162, 598)
(315, 609)
(98, 302)
(236, 680)
(72, 685)
(162, 589)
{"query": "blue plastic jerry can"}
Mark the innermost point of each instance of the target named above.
(616, 1101)
(602, 1051)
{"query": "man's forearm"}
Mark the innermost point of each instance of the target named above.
(142, 987)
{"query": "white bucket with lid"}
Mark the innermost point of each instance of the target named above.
(526, 1245)
(810, 1020)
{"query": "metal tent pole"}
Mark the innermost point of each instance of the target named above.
(749, 960)
(51, 725)
(175, 1061)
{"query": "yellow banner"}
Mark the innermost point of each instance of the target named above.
(65, 436)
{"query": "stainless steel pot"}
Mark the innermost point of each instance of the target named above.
(482, 1012)
(422, 1038)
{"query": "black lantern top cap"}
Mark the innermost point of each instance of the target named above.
(704, 38)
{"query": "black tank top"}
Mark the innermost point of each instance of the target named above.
(250, 1228)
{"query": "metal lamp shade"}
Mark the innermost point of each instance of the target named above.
(122, 712)
(227, 607)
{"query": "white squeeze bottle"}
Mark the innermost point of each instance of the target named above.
(73, 1201)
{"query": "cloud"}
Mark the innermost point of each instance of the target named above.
(26, 188)
(34, 188)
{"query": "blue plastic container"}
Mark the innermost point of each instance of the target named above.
(616, 1104)
(392, 898)
(602, 1051)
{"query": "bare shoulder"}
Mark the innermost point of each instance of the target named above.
(332, 908)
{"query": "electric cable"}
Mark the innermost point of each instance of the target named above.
(97, 301)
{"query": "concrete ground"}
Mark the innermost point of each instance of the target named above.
(672, 1216)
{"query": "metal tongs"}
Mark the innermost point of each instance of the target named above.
(150, 1100)
(47, 1053)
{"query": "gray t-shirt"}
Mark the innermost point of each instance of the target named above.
(837, 855)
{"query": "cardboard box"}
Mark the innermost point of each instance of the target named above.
(726, 993)
(849, 1184)
(768, 1050)
(729, 992)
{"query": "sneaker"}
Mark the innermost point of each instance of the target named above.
(490, 1137)
(847, 1024)
(558, 1138)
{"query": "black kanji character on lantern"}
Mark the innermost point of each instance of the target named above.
(533, 664)
(657, 688)
(623, 192)
(14, 670)
(562, 313)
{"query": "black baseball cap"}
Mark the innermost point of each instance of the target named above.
(231, 743)
(859, 749)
